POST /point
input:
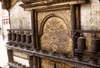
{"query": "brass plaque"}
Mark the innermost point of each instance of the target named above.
(56, 31)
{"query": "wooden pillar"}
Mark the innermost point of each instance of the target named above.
(31, 64)
(73, 25)
(36, 60)
(10, 56)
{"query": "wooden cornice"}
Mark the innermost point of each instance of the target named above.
(49, 4)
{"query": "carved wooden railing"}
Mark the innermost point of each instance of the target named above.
(17, 65)
(23, 40)
(94, 50)
(17, 42)
(20, 38)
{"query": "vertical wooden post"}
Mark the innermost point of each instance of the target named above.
(10, 55)
(75, 22)
(33, 29)
(73, 25)
(37, 47)
(78, 16)
(31, 61)
(36, 60)
(55, 65)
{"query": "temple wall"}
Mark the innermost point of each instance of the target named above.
(19, 18)
(90, 18)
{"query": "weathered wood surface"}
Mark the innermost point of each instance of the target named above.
(53, 31)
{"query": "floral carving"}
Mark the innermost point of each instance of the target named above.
(55, 36)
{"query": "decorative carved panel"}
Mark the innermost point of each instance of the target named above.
(50, 64)
(47, 63)
(55, 36)
(61, 65)
(54, 30)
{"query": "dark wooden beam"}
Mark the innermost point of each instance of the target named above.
(19, 29)
(45, 5)
(52, 57)
(88, 31)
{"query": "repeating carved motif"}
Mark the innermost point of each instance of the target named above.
(55, 35)
(61, 65)
(50, 64)
(47, 63)
(56, 32)
(64, 14)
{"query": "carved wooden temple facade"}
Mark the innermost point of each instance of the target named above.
(53, 33)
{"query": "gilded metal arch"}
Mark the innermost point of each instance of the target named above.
(44, 21)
